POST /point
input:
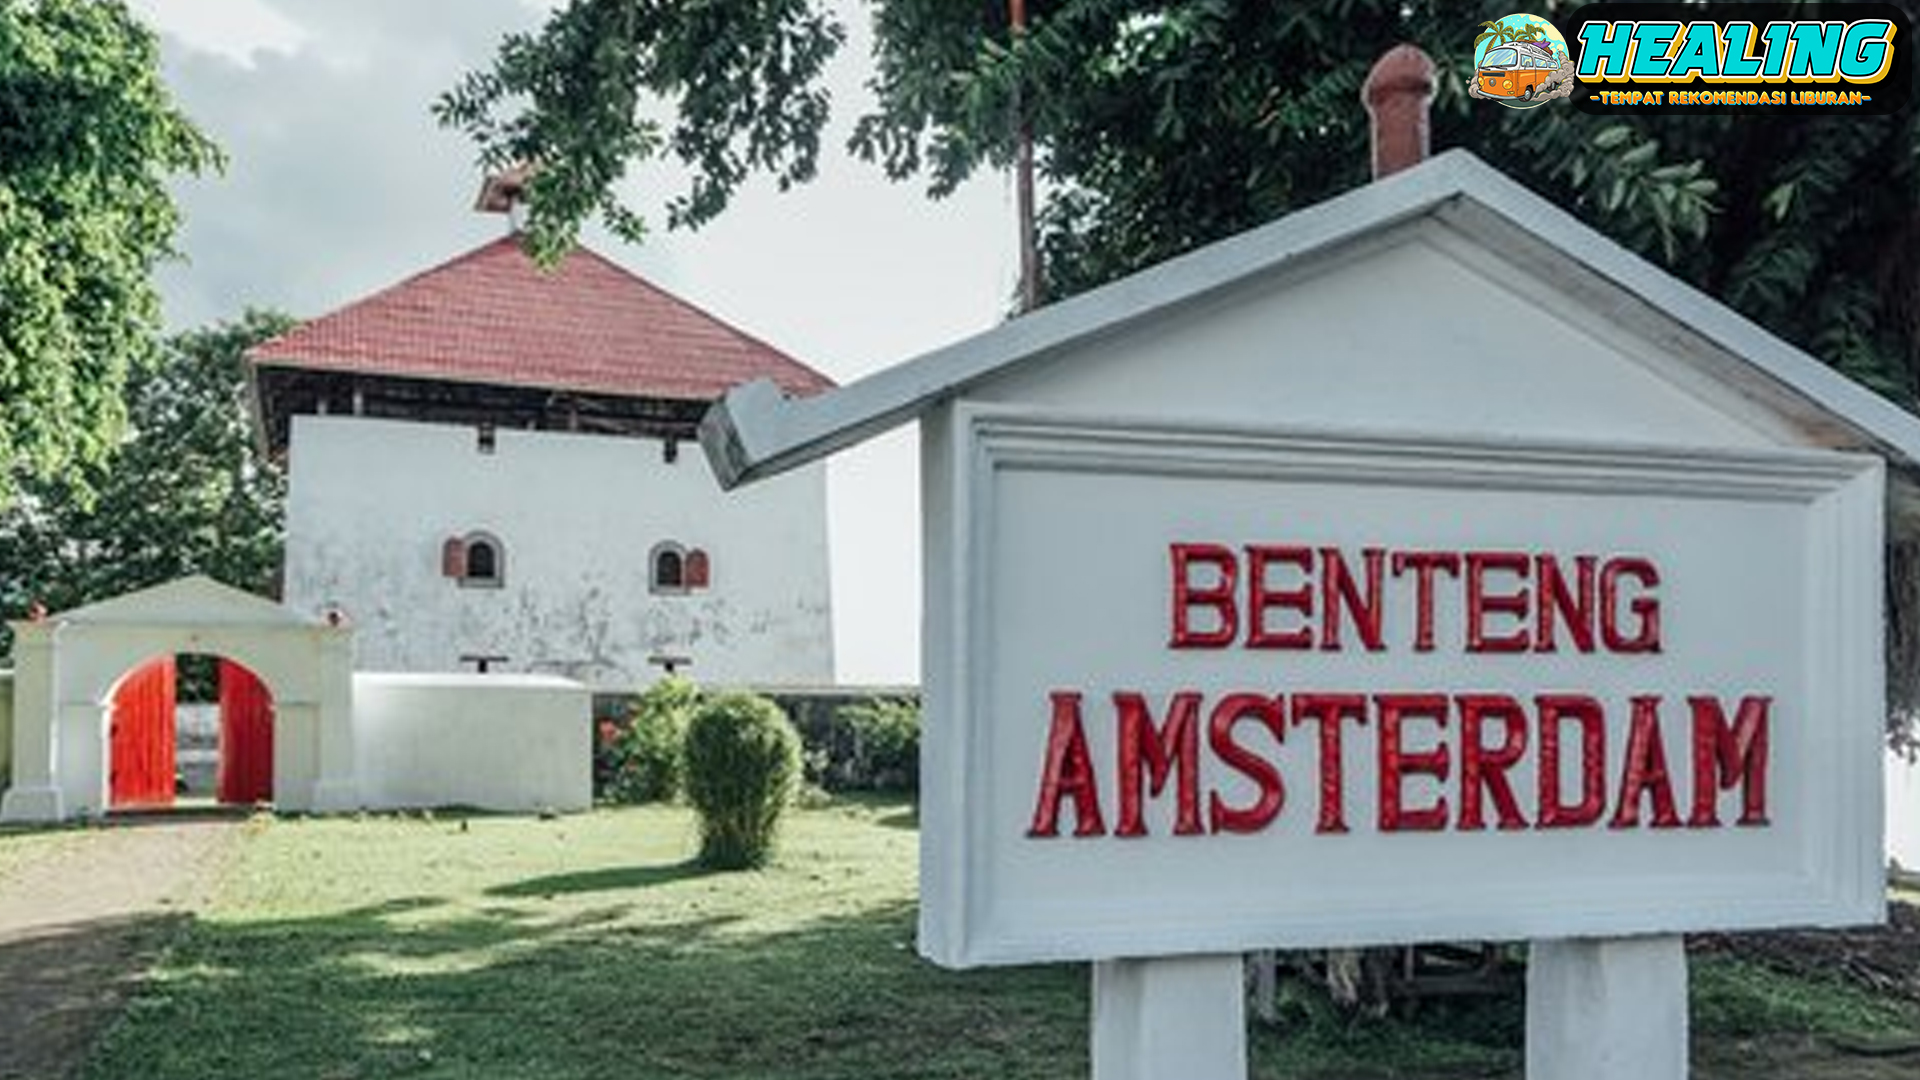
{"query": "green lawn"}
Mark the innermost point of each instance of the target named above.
(579, 947)
(588, 946)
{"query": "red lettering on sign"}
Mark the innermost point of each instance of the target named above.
(1153, 754)
(1573, 606)
(1218, 596)
(1483, 769)
(1481, 604)
(1495, 735)
(1273, 794)
(1329, 710)
(1067, 774)
(1725, 756)
(1259, 597)
(1424, 565)
(1645, 771)
(1645, 636)
(1396, 762)
(1553, 710)
(1338, 592)
(1510, 601)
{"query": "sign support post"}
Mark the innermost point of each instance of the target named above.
(1607, 1007)
(1169, 1016)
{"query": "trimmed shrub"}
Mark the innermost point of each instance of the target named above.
(649, 753)
(743, 761)
(885, 738)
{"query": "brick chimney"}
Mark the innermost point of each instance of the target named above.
(1397, 94)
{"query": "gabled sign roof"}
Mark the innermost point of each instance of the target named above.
(755, 432)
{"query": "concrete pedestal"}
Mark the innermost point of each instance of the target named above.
(39, 803)
(1602, 1009)
(1177, 1018)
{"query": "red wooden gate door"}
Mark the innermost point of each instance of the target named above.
(246, 736)
(140, 743)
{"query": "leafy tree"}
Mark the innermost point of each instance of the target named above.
(186, 491)
(1164, 125)
(88, 138)
(742, 77)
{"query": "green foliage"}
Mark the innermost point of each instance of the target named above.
(742, 78)
(1734, 997)
(872, 745)
(650, 752)
(88, 140)
(1162, 127)
(1472, 1035)
(186, 492)
(743, 762)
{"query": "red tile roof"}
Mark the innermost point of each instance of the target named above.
(491, 316)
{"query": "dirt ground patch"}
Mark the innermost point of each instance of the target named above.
(1881, 959)
(80, 923)
(1799, 1057)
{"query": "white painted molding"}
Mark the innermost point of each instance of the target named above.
(754, 432)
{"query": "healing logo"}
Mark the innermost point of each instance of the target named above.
(1753, 58)
(1520, 61)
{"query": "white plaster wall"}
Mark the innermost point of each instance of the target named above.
(495, 742)
(371, 502)
(1903, 813)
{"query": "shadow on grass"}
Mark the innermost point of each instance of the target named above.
(502, 992)
(61, 986)
(605, 880)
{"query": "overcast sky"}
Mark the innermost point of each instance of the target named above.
(339, 183)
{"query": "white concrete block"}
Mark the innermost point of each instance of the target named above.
(1607, 1008)
(1170, 1018)
(495, 742)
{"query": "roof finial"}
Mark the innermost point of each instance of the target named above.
(1397, 94)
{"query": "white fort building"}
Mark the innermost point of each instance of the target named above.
(493, 467)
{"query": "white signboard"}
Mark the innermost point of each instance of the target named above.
(1210, 690)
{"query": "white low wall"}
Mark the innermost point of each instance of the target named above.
(494, 742)
(1903, 813)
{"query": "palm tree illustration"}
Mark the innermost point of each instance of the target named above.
(1493, 34)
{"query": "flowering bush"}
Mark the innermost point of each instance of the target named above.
(641, 757)
(607, 755)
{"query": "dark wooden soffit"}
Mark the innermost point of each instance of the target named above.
(282, 393)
